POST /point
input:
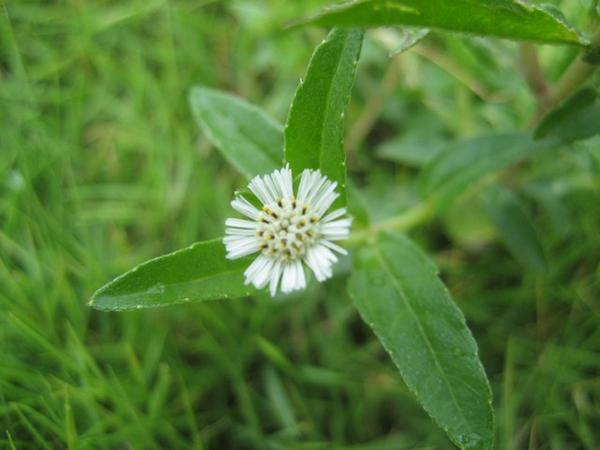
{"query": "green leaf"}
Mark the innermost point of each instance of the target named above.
(409, 38)
(467, 224)
(577, 118)
(357, 205)
(399, 295)
(462, 163)
(315, 126)
(514, 227)
(249, 139)
(508, 19)
(412, 149)
(196, 273)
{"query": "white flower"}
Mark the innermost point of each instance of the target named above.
(288, 231)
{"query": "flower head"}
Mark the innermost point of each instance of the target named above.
(288, 231)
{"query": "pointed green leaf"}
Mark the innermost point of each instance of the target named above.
(514, 227)
(199, 272)
(510, 19)
(409, 37)
(399, 295)
(249, 139)
(315, 126)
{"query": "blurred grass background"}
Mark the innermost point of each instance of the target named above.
(102, 167)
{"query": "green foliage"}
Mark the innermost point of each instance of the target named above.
(250, 140)
(410, 38)
(196, 273)
(103, 166)
(497, 18)
(315, 126)
(413, 150)
(578, 117)
(461, 164)
(397, 292)
(514, 226)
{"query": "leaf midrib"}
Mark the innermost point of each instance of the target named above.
(388, 268)
(171, 285)
(328, 103)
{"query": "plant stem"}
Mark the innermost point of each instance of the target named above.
(577, 73)
(404, 221)
(454, 69)
(534, 75)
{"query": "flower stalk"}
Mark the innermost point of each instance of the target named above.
(404, 221)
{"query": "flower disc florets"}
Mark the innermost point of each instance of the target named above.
(289, 230)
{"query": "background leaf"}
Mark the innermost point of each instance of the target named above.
(409, 38)
(398, 294)
(514, 227)
(412, 149)
(577, 118)
(499, 18)
(315, 126)
(199, 272)
(357, 206)
(461, 163)
(249, 139)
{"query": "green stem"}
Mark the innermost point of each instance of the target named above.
(577, 73)
(533, 73)
(402, 222)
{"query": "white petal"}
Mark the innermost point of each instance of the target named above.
(300, 278)
(320, 259)
(293, 277)
(337, 229)
(282, 180)
(240, 223)
(340, 223)
(258, 272)
(233, 239)
(304, 179)
(334, 215)
(240, 232)
(264, 276)
(272, 187)
(324, 199)
(319, 184)
(260, 189)
(238, 246)
(243, 206)
(308, 182)
(338, 234)
(287, 280)
(287, 181)
(275, 276)
(334, 247)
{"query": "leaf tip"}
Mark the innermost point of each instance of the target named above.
(92, 302)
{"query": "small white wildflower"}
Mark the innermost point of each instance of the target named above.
(288, 231)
